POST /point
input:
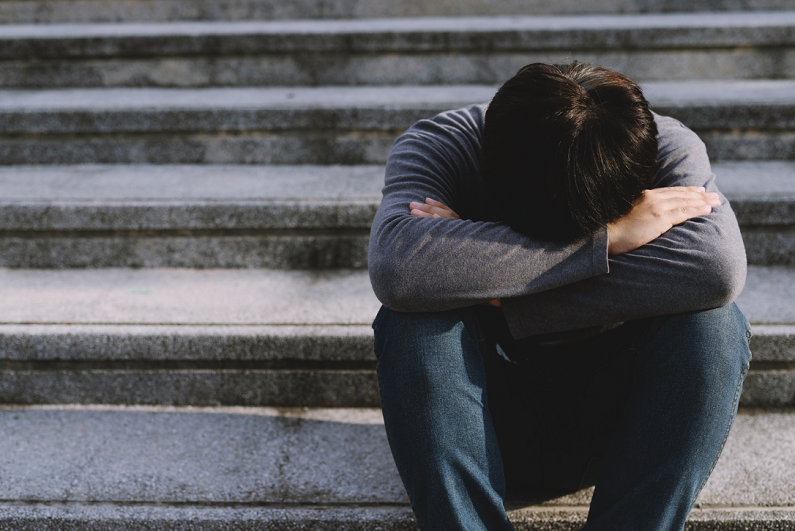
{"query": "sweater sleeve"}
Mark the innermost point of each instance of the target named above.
(697, 265)
(426, 264)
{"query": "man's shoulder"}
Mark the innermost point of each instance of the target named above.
(465, 121)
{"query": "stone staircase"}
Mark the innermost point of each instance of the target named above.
(186, 189)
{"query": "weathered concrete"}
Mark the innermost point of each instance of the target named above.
(259, 297)
(761, 105)
(338, 68)
(285, 217)
(346, 125)
(262, 297)
(324, 518)
(769, 295)
(193, 349)
(50, 11)
(220, 384)
(263, 457)
(425, 34)
(102, 198)
(246, 249)
(305, 343)
(184, 296)
(299, 147)
(192, 183)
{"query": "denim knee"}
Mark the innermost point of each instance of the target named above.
(711, 346)
(427, 352)
(407, 332)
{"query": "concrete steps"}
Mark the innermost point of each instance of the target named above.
(284, 217)
(401, 51)
(53, 11)
(122, 468)
(738, 120)
(236, 393)
(254, 337)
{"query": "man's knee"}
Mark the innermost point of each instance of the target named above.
(427, 331)
(711, 345)
(427, 346)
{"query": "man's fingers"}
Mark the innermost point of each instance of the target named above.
(684, 212)
(675, 189)
(692, 194)
(432, 208)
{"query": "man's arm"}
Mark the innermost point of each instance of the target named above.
(421, 264)
(697, 265)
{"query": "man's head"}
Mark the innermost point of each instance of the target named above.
(567, 149)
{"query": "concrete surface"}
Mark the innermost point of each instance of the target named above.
(189, 183)
(325, 518)
(246, 249)
(49, 11)
(425, 34)
(185, 296)
(258, 297)
(306, 343)
(188, 197)
(268, 216)
(219, 457)
(253, 337)
(303, 147)
(201, 385)
(769, 295)
(345, 125)
(761, 104)
(407, 68)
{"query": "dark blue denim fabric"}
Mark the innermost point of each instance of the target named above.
(642, 412)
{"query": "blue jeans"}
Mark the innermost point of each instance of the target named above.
(641, 411)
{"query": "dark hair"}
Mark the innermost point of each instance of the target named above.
(567, 149)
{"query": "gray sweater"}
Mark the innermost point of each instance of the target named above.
(426, 264)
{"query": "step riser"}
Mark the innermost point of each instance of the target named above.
(199, 251)
(770, 247)
(357, 135)
(300, 148)
(182, 371)
(751, 119)
(49, 11)
(739, 32)
(334, 249)
(339, 519)
(193, 388)
(206, 215)
(244, 148)
(264, 388)
(330, 69)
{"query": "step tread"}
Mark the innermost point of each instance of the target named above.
(668, 93)
(756, 179)
(116, 184)
(260, 456)
(42, 11)
(185, 296)
(175, 183)
(200, 197)
(259, 297)
(716, 106)
(660, 29)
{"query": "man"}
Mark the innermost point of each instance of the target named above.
(557, 271)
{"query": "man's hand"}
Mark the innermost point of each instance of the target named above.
(655, 212)
(432, 209)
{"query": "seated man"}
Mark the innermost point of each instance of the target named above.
(557, 270)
